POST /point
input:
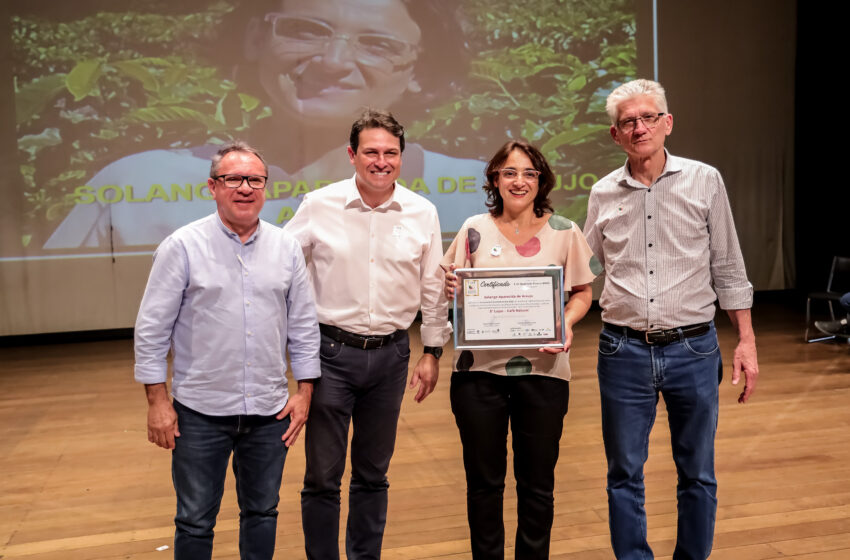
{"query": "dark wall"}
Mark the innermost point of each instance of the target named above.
(728, 68)
(752, 87)
(822, 198)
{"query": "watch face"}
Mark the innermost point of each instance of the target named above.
(435, 351)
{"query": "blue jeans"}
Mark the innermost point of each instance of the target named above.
(534, 405)
(363, 387)
(198, 469)
(632, 373)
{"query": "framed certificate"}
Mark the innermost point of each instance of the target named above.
(519, 307)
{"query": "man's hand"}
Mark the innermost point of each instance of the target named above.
(297, 408)
(162, 419)
(425, 375)
(451, 281)
(746, 357)
(746, 360)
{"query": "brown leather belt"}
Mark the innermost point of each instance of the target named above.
(364, 342)
(661, 337)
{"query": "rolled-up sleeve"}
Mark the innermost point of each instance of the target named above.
(302, 331)
(158, 312)
(435, 326)
(728, 273)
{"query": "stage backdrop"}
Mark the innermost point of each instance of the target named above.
(117, 107)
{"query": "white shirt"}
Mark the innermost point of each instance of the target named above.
(373, 268)
(153, 193)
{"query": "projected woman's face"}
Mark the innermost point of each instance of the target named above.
(326, 60)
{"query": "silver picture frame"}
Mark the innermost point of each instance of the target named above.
(516, 307)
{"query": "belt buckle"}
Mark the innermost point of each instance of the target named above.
(367, 340)
(647, 333)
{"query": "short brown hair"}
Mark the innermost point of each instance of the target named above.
(372, 118)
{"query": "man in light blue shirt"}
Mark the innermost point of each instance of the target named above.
(228, 295)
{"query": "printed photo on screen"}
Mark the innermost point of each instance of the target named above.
(120, 105)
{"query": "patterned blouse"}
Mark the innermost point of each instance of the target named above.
(480, 244)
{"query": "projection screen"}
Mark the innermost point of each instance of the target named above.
(119, 105)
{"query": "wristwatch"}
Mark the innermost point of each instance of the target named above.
(435, 351)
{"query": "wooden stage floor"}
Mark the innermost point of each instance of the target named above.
(80, 481)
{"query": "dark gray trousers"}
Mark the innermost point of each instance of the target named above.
(363, 387)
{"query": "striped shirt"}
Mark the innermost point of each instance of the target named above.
(669, 250)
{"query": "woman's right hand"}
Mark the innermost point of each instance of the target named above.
(451, 281)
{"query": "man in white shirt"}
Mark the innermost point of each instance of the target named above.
(373, 250)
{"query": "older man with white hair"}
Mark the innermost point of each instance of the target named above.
(662, 228)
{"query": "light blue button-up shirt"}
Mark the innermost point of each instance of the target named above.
(228, 311)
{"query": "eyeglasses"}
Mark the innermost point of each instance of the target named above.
(308, 35)
(649, 121)
(511, 174)
(235, 181)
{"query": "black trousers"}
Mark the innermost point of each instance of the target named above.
(363, 388)
(535, 406)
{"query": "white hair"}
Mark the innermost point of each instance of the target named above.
(633, 89)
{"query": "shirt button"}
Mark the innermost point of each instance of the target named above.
(247, 363)
(650, 244)
(247, 303)
(650, 272)
(649, 217)
(651, 300)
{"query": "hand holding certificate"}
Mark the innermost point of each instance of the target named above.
(509, 307)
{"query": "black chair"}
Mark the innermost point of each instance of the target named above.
(837, 285)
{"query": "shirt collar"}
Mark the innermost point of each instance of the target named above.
(233, 235)
(672, 165)
(354, 200)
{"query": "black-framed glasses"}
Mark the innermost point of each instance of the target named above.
(511, 174)
(649, 120)
(309, 35)
(232, 181)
